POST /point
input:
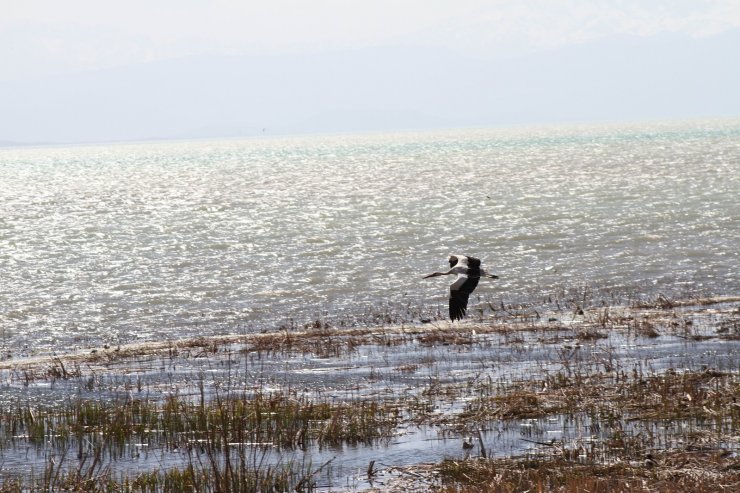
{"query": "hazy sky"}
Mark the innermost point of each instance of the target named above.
(92, 70)
(41, 37)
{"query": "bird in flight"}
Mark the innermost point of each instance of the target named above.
(469, 272)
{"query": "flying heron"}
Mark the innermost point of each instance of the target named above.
(469, 272)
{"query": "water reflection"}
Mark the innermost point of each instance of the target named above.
(118, 243)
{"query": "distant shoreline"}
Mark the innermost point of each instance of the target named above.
(679, 122)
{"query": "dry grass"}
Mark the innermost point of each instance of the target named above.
(667, 472)
(707, 395)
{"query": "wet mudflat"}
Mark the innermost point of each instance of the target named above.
(426, 405)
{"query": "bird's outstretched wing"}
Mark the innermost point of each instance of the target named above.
(459, 293)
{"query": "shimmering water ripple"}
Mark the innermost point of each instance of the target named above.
(112, 243)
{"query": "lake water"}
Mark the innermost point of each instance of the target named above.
(117, 243)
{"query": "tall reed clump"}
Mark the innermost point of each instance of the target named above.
(279, 420)
(238, 475)
(231, 442)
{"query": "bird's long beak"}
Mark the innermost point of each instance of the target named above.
(433, 274)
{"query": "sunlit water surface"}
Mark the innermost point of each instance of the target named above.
(116, 243)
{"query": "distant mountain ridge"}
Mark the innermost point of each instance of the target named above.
(614, 79)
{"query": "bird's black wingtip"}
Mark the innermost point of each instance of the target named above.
(457, 313)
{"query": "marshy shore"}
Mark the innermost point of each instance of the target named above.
(643, 397)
